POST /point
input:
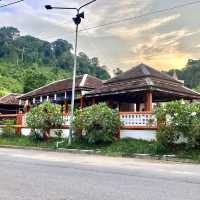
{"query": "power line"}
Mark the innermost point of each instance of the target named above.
(143, 15)
(9, 4)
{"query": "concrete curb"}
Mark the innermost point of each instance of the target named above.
(171, 158)
(75, 151)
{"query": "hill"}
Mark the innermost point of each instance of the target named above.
(27, 62)
(190, 74)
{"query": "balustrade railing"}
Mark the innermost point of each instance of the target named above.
(129, 119)
(138, 120)
(66, 119)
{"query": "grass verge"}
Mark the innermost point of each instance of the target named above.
(125, 147)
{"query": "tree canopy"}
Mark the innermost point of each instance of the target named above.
(27, 62)
(190, 74)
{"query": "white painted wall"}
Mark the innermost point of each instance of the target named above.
(138, 134)
(65, 133)
(27, 131)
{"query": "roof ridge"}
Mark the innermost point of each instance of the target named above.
(82, 83)
(142, 70)
(145, 70)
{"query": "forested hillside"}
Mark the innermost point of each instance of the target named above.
(27, 62)
(190, 74)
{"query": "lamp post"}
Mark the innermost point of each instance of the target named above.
(77, 20)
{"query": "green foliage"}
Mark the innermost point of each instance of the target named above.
(197, 88)
(25, 141)
(36, 135)
(44, 117)
(27, 62)
(34, 79)
(190, 74)
(179, 121)
(8, 130)
(128, 147)
(99, 123)
(59, 133)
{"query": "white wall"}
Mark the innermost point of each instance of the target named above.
(138, 134)
(27, 131)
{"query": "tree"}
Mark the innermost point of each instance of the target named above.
(179, 121)
(117, 71)
(197, 88)
(44, 117)
(61, 46)
(99, 123)
(33, 79)
(20, 54)
(190, 74)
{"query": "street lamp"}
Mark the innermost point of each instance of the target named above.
(77, 20)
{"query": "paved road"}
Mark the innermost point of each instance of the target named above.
(34, 175)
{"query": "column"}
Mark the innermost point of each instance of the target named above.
(137, 107)
(19, 123)
(148, 101)
(82, 102)
(93, 101)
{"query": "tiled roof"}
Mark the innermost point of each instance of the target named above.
(86, 82)
(11, 99)
(143, 77)
(140, 71)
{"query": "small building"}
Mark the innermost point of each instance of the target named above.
(10, 104)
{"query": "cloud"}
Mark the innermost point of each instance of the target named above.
(125, 32)
(162, 50)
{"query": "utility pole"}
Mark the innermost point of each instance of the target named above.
(77, 20)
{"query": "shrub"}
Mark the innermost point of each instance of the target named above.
(8, 130)
(59, 134)
(128, 147)
(44, 117)
(36, 135)
(179, 122)
(98, 122)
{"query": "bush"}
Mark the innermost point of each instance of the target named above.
(8, 130)
(98, 122)
(44, 117)
(179, 122)
(36, 135)
(128, 147)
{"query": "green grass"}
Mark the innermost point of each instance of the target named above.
(128, 147)
(125, 147)
(26, 142)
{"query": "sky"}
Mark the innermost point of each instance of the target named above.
(165, 40)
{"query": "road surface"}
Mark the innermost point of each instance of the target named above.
(35, 175)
